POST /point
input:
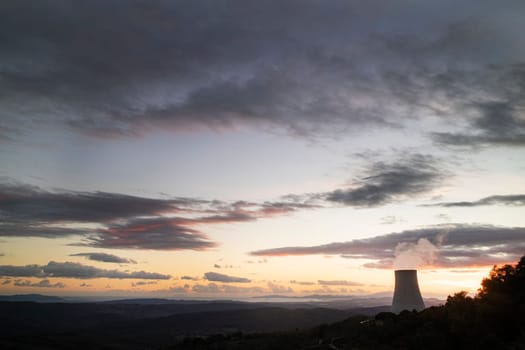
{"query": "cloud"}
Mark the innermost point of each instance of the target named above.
(213, 288)
(74, 270)
(124, 222)
(279, 289)
(159, 233)
(218, 277)
(41, 284)
(4, 282)
(31, 212)
(499, 121)
(390, 219)
(104, 257)
(387, 182)
(24, 202)
(142, 283)
(189, 278)
(459, 246)
(302, 283)
(57, 70)
(510, 200)
(179, 289)
(210, 288)
(339, 283)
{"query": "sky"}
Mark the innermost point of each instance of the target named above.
(233, 149)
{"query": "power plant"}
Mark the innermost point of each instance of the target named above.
(406, 293)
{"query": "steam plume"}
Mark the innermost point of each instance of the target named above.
(410, 256)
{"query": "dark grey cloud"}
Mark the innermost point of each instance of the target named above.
(20, 202)
(41, 284)
(104, 257)
(511, 200)
(219, 277)
(218, 64)
(458, 246)
(387, 182)
(29, 229)
(74, 270)
(498, 123)
(29, 211)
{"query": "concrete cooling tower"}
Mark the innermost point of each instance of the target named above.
(406, 293)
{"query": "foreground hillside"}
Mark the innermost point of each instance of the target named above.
(28, 325)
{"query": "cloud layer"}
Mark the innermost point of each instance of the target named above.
(109, 220)
(223, 64)
(458, 246)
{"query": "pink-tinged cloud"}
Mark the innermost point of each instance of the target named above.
(155, 233)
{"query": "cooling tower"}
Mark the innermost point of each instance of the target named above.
(406, 293)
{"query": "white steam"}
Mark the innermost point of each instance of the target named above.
(409, 256)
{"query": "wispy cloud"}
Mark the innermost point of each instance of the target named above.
(74, 270)
(104, 257)
(189, 278)
(497, 122)
(302, 283)
(387, 182)
(278, 288)
(216, 289)
(510, 200)
(22, 202)
(41, 284)
(339, 283)
(219, 277)
(142, 283)
(458, 245)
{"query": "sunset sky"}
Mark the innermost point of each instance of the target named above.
(230, 149)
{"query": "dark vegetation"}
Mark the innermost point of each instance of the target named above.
(492, 319)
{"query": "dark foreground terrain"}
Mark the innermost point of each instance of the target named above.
(493, 319)
(140, 324)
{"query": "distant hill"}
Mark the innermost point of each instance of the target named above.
(28, 325)
(37, 298)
